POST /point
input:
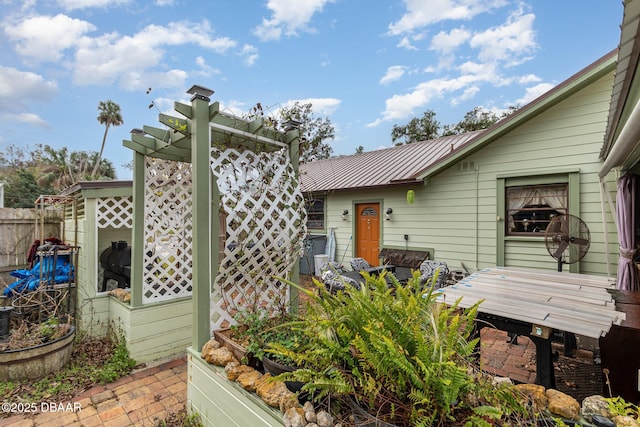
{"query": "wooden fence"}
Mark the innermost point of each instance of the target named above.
(17, 234)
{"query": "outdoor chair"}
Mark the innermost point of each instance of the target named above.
(428, 269)
(359, 264)
(334, 281)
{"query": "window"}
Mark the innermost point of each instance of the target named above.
(530, 208)
(315, 213)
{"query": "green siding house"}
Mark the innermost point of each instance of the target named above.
(477, 195)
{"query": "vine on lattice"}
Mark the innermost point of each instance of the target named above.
(167, 232)
(265, 222)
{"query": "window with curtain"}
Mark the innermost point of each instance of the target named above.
(315, 213)
(530, 208)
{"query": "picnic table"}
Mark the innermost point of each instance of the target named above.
(537, 303)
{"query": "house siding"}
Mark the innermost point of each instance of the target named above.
(456, 211)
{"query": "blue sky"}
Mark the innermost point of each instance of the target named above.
(366, 65)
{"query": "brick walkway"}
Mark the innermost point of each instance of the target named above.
(499, 357)
(140, 399)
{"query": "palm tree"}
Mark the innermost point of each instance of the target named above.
(109, 116)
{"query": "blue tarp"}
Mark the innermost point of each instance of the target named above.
(29, 280)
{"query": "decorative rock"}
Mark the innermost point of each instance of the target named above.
(219, 356)
(272, 392)
(289, 401)
(536, 393)
(248, 380)
(324, 419)
(234, 372)
(231, 365)
(499, 381)
(209, 346)
(315, 425)
(309, 412)
(294, 417)
(562, 404)
(625, 421)
(595, 405)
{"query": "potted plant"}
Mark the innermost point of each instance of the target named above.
(397, 354)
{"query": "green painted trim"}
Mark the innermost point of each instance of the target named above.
(205, 220)
(107, 192)
(500, 211)
(538, 172)
(137, 234)
(293, 139)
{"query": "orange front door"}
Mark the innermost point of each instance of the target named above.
(368, 232)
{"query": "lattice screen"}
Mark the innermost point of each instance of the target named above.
(167, 232)
(265, 227)
(115, 212)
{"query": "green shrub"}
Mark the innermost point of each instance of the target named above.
(395, 350)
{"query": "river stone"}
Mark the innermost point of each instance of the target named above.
(595, 405)
(248, 380)
(324, 419)
(534, 392)
(294, 417)
(562, 404)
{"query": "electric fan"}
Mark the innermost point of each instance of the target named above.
(567, 238)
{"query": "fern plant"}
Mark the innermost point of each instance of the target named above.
(397, 351)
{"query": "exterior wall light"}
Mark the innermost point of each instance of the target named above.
(388, 213)
(344, 214)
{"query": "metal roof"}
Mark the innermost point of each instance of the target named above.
(390, 166)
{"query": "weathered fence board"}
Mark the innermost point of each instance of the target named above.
(17, 233)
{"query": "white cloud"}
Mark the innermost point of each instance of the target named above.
(27, 118)
(395, 72)
(250, 54)
(447, 42)
(84, 4)
(533, 92)
(17, 88)
(44, 38)
(16, 85)
(288, 17)
(510, 42)
(125, 60)
(422, 13)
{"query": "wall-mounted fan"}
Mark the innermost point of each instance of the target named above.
(567, 238)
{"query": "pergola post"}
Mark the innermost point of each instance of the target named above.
(137, 238)
(205, 223)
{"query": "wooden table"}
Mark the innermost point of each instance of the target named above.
(536, 303)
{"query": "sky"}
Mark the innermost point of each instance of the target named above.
(366, 65)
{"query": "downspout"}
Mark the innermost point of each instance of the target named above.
(603, 193)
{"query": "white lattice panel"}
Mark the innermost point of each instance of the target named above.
(167, 232)
(265, 225)
(115, 212)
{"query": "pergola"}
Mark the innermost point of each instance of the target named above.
(230, 196)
